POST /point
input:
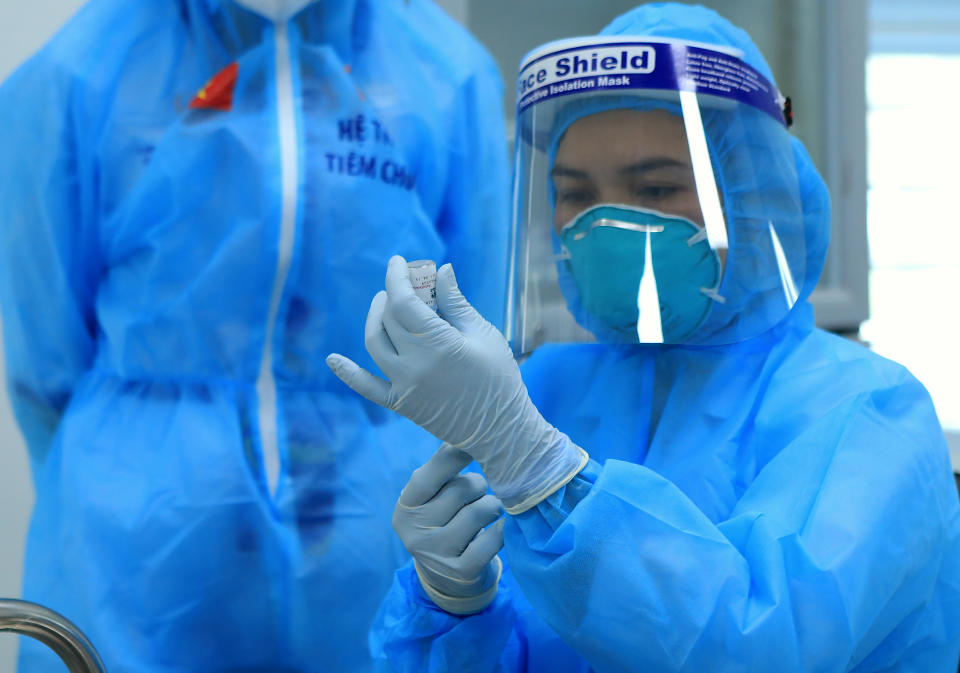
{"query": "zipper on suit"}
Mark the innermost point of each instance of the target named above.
(289, 180)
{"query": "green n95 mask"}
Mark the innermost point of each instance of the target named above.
(641, 272)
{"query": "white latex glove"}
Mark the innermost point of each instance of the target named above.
(442, 518)
(456, 377)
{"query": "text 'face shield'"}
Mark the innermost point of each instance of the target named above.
(656, 197)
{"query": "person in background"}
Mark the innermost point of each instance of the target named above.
(196, 197)
(700, 479)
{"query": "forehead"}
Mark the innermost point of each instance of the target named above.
(623, 135)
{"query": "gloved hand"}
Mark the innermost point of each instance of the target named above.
(441, 518)
(456, 377)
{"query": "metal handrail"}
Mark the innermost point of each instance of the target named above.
(54, 631)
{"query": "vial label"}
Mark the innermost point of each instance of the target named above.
(423, 277)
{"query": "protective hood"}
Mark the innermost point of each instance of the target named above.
(275, 10)
(237, 25)
(699, 24)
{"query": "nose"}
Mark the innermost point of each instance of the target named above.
(54, 631)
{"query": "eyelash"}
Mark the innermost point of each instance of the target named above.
(575, 196)
(656, 192)
(644, 193)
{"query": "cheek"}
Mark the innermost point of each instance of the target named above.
(722, 254)
(688, 206)
(562, 215)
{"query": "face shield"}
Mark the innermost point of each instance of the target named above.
(655, 198)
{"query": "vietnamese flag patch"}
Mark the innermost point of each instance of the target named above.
(217, 94)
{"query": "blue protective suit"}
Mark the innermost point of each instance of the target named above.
(780, 504)
(150, 265)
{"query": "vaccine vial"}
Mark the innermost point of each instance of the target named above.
(423, 276)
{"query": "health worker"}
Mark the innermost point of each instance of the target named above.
(695, 478)
(196, 199)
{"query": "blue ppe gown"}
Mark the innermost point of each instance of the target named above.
(174, 268)
(780, 504)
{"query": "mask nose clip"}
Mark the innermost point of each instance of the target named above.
(619, 224)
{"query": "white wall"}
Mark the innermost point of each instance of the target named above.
(24, 27)
(16, 499)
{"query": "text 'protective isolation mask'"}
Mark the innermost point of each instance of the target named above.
(656, 196)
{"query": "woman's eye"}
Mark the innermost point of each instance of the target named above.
(656, 192)
(574, 196)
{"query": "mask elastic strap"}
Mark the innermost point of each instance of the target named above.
(714, 294)
(698, 237)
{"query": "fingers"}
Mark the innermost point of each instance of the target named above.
(483, 547)
(398, 335)
(397, 282)
(359, 379)
(427, 480)
(375, 337)
(464, 526)
(451, 303)
(459, 492)
(407, 308)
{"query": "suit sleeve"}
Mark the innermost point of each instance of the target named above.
(842, 554)
(48, 254)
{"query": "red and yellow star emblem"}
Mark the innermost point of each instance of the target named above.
(217, 94)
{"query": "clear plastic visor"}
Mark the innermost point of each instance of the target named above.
(651, 216)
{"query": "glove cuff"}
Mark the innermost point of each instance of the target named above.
(574, 461)
(461, 605)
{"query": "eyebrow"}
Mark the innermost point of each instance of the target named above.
(559, 170)
(652, 165)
